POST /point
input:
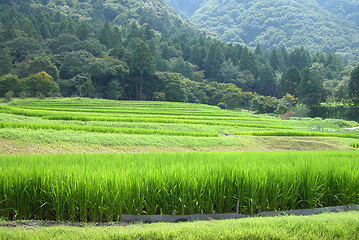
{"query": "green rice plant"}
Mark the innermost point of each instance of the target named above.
(102, 187)
(59, 127)
(113, 139)
(355, 144)
(53, 115)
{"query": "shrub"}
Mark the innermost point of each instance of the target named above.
(9, 95)
(222, 105)
(301, 110)
(287, 115)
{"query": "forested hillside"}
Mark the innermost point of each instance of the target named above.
(142, 50)
(349, 9)
(319, 25)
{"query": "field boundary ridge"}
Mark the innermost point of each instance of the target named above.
(126, 218)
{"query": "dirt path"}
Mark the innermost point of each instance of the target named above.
(353, 128)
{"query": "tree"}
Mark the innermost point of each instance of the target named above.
(135, 32)
(9, 83)
(289, 81)
(229, 73)
(115, 90)
(44, 30)
(299, 58)
(83, 31)
(214, 60)
(175, 87)
(23, 47)
(310, 90)
(64, 43)
(178, 65)
(247, 62)
(5, 62)
(116, 37)
(274, 59)
(8, 32)
(104, 36)
(75, 63)
(258, 51)
(142, 69)
(266, 84)
(333, 66)
(354, 85)
(41, 83)
(264, 104)
(196, 57)
(83, 84)
(43, 63)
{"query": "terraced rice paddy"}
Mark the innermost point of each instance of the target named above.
(27, 119)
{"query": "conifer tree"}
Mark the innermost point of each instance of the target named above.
(247, 62)
(116, 37)
(104, 36)
(83, 31)
(311, 90)
(142, 69)
(274, 59)
(289, 81)
(5, 62)
(214, 60)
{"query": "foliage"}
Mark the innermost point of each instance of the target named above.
(9, 95)
(9, 83)
(354, 85)
(301, 110)
(41, 83)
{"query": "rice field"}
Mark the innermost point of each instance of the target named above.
(102, 187)
(95, 116)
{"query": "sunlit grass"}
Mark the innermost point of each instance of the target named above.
(102, 187)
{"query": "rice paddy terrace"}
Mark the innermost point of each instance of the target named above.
(103, 185)
(87, 125)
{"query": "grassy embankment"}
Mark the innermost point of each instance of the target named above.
(319, 227)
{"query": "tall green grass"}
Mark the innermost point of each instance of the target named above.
(59, 115)
(102, 187)
(101, 129)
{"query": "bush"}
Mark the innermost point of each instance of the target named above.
(301, 110)
(287, 115)
(222, 105)
(9, 95)
(317, 119)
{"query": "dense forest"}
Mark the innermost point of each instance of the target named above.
(142, 50)
(322, 25)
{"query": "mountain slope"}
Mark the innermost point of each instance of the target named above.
(349, 9)
(157, 13)
(317, 25)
